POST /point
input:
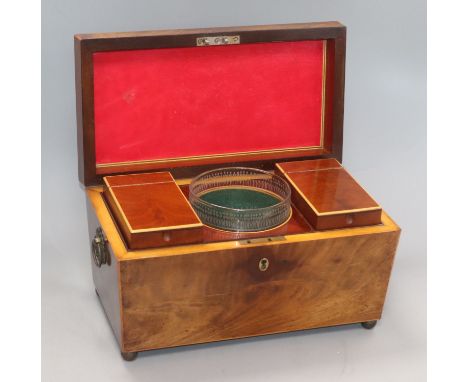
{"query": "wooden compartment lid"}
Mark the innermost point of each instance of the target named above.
(328, 196)
(190, 99)
(151, 210)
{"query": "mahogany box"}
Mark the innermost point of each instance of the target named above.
(154, 110)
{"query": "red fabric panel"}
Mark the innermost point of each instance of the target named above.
(181, 102)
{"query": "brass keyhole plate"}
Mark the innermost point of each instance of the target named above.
(263, 264)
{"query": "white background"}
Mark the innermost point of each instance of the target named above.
(384, 148)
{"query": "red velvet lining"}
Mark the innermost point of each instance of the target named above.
(181, 102)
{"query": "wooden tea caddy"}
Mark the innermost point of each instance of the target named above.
(185, 101)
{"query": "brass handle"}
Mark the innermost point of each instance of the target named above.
(263, 264)
(99, 248)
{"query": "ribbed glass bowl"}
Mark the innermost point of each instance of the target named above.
(240, 199)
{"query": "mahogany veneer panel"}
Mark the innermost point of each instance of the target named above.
(197, 293)
(106, 279)
(328, 195)
(152, 211)
(203, 297)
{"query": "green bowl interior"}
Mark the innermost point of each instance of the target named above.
(240, 198)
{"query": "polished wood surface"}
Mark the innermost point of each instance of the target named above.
(106, 278)
(151, 201)
(139, 179)
(133, 204)
(126, 40)
(331, 190)
(205, 162)
(196, 298)
(215, 291)
(87, 44)
(95, 194)
(206, 285)
(328, 195)
(151, 210)
(309, 165)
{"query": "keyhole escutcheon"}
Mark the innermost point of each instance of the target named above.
(263, 264)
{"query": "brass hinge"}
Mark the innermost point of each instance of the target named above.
(218, 40)
(262, 240)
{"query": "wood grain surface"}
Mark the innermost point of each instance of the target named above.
(151, 210)
(194, 298)
(215, 291)
(328, 196)
(106, 278)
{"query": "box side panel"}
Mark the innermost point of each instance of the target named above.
(204, 297)
(106, 278)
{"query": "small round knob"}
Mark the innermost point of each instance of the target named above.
(263, 264)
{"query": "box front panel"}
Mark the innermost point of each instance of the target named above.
(247, 291)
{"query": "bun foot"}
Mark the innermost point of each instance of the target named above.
(129, 356)
(369, 324)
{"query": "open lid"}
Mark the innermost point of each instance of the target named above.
(188, 99)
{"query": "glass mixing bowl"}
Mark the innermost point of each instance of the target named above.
(240, 199)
